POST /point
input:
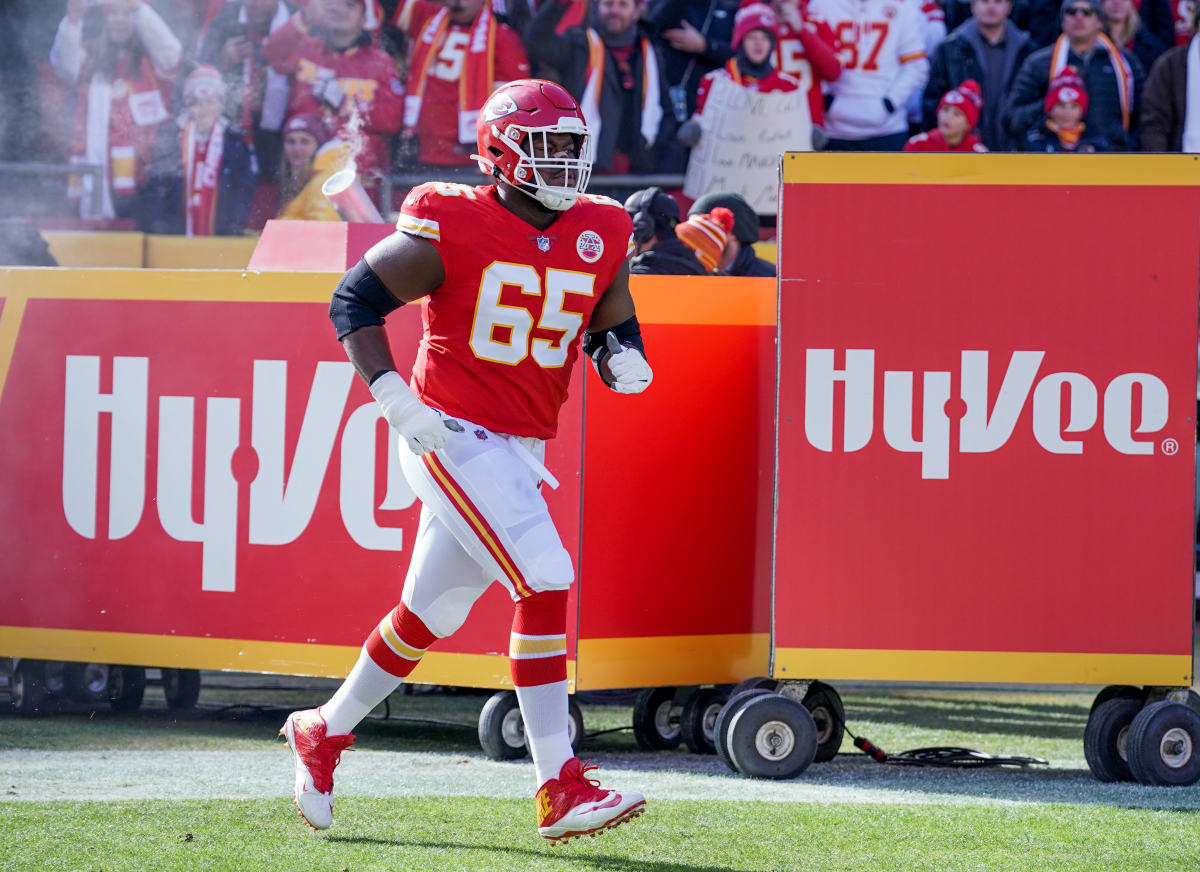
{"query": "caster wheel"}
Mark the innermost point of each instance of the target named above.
(825, 705)
(501, 730)
(126, 688)
(1105, 740)
(181, 687)
(28, 693)
(574, 725)
(772, 736)
(86, 682)
(1164, 745)
(656, 719)
(721, 728)
(757, 683)
(1115, 691)
(699, 719)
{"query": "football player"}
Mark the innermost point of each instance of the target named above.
(509, 276)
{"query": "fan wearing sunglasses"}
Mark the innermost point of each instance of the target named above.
(1112, 76)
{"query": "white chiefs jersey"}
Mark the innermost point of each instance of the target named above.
(883, 55)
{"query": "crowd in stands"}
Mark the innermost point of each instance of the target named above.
(210, 116)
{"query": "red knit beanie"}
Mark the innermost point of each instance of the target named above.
(755, 16)
(1067, 87)
(967, 98)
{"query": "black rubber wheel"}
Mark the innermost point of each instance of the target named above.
(1164, 745)
(28, 693)
(126, 688)
(656, 719)
(1122, 691)
(181, 687)
(501, 729)
(699, 719)
(1105, 739)
(721, 729)
(756, 683)
(86, 682)
(825, 705)
(574, 724)
(772, 736)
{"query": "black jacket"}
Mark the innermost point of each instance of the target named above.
(958, 59)
(670, 257)
(747, 263)
(1043, 139)
(1024, 111)
(714, 19)
(163, 197)
(568, 54)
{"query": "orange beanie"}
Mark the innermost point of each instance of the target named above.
(706, 235)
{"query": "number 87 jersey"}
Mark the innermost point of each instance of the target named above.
(501, 332)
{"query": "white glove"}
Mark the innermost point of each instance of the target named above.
(330, 92)
(420, 425)
(631, 373)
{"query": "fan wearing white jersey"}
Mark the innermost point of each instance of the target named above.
(883, 64)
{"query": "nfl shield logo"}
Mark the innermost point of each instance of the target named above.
(543, 243)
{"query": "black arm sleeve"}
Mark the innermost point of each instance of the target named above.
(360, 300)
(595, 345)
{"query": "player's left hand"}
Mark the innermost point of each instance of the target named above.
(631, 373)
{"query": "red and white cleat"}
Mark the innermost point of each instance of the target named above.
(574, 805)
(316, 756)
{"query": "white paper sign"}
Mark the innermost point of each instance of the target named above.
(744, 134)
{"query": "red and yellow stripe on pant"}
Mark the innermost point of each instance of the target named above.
(477, 522)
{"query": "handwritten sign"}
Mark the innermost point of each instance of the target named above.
(744, 133)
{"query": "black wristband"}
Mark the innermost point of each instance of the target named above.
(378, 376)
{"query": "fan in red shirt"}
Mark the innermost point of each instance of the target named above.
(755, 36)
(458, 54)
(337, 71)
(957, 115)
(806, 49)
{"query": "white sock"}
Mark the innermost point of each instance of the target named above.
(544, 710)
(365, 687)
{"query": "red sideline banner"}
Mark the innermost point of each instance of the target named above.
(986, 418)
(194, 477)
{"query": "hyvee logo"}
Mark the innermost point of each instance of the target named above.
(983, 427)
(280, 506)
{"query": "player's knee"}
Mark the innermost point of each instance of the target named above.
(445, 613)
(553, 570)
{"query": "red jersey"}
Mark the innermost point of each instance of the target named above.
(809, 56)
(775, 81)
(501, 332)
(439, 124)
(365, 72)
(933, 140)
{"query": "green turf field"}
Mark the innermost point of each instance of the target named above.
(93, 791)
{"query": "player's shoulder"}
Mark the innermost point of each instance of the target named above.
(431, 206)
(603, 210)
(607, 217)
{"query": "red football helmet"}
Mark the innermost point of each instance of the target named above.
(513, 136)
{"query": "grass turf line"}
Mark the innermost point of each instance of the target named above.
(675, 836)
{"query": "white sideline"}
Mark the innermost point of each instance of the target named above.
(178, 775)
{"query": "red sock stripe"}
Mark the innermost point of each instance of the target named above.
(478, 523)
(411, 629)
(387, 659)
(540, 670)
(542, 614)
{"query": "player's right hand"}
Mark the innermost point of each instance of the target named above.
(421, 426)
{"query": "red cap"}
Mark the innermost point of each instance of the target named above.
(755, 16)
(967, 98)
(1067, 87)
(310, 123)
